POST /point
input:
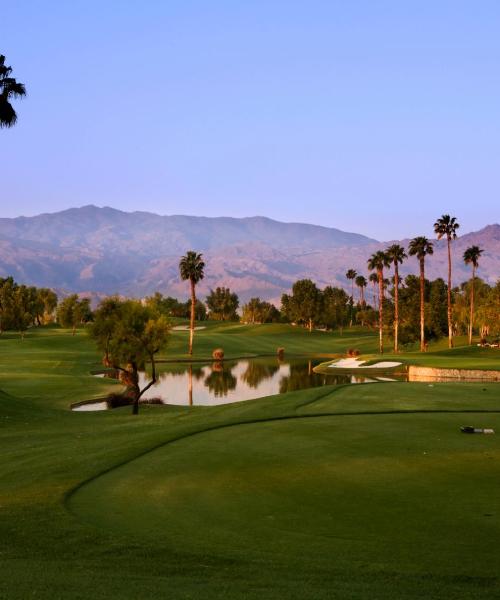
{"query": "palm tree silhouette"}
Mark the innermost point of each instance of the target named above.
(471, 257)
(191, 267)
(9, 89)
(396, 254)
(447, 226)
(374, 280)
(420, 247)
(351, 274)
(361, 283)
(377, 262)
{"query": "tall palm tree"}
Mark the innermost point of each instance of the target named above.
(447, 226)
(351, 274)
(377, 262)
(9, 89)
(421, 247)
(361, 283)
(471, 257)
(396, 254)
(374, 280)
(191, 267)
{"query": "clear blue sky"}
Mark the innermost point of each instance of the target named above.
(370, 116)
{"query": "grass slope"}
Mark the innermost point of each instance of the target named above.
(338, 492)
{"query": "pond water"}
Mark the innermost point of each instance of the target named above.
(234, 381)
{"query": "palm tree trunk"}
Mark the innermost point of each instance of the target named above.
(380, 274)
(396, 306)
(352, 301)
(422, 305)
(191, 323)
(471, 320)
(450, 332)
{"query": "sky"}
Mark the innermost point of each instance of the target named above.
(370, 116)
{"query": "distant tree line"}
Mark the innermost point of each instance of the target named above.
(24, 306)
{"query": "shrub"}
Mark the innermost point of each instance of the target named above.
(218, 354)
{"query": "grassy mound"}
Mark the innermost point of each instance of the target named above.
(363, 491)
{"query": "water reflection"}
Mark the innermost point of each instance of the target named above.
(232, 381)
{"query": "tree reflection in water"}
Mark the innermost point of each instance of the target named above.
(257, 371)
(220, 381)
(302, 377)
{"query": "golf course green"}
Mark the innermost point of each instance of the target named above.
(349, 491)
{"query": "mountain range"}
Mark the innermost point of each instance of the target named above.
(106, 251)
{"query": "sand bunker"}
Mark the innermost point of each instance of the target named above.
(355, 363)
(186, 328)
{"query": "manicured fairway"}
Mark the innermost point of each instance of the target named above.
(365, 491)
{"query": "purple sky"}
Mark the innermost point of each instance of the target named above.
(374, 117)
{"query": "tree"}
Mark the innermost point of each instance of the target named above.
(223, 304)
(471, 257)
(72, 312)
(351, 275)
(361, 283)
(421, 247)
(304, 304)
(447, 226)
(259, 311)
(9, 89)
(377, 262)
(373, 278)
(130, 334)
(192, 268)
(396, 254)
(335, 305)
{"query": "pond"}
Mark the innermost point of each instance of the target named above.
(234, 381)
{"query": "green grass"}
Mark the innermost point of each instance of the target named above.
(365, 491)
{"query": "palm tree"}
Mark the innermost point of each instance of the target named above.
(471, 257)
(397, 254)
(9, 88)
(420, 247)
(191, 266)
(377, 262)
(374, 279)
(351, 274)
(447, 226)
(361, 283)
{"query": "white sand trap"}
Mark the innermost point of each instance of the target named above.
(91, 406)
(186, 328)
(355, 363)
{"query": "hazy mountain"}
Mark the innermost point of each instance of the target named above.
(109, 251)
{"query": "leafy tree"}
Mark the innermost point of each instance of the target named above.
(259, 311)
(22, 317)
(421, 247)
(488, 313)
(438, 320)
(130, 334)
(72, 312)
(222, 304)
(377, 262)
(396, 254)
(447, 226)
(48, 299)
(192, 269)
(9, 89)
(305, 303)
(471, 257)
(335, 307)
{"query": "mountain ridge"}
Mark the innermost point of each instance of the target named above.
(107, 250)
